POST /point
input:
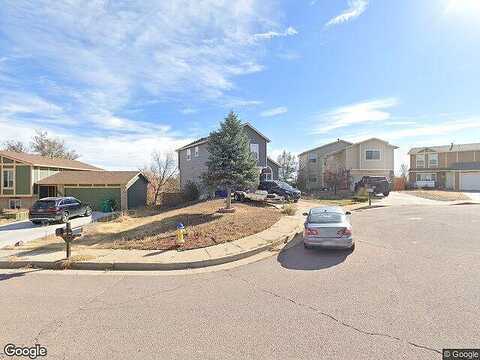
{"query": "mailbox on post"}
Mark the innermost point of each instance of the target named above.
(370, 193)
(68, 235)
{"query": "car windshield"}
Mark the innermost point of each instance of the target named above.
(325, 218)
(284, 185)
(44, 204)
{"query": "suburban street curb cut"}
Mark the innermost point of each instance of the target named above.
(127, 266)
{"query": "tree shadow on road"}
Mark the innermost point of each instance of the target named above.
(11, 275)
(295, 257)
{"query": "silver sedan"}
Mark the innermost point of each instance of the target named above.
(328, 226)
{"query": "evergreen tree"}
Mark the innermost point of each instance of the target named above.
(231, 163)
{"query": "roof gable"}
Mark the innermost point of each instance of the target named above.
(204, 140)
(446, 148)
(91, 177)
(38, 160)
(347, 143)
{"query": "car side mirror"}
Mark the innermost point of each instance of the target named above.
(348, 213)
(305, 214)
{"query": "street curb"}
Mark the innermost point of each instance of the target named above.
(127, 266)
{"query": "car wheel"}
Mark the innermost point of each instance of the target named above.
(307, 246)
(386, 193)
(65, 217)
(88, 211)
(36, 222)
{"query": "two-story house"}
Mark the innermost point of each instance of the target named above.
(453, 167)
(371, 157)
(192, 158)
(312, 164)
(26, 178)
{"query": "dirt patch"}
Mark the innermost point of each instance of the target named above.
(439, 195)
(204, 225)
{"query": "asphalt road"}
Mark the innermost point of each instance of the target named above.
(409, 289)
(26, 231)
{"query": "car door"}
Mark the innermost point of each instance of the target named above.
(76, 207)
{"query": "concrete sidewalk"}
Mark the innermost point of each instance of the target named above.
(107, 259)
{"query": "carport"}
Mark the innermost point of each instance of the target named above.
(125, 189)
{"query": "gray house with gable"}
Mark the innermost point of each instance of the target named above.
(192, 158)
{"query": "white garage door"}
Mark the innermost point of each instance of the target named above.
(470, 181)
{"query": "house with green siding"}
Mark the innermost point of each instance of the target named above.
(26, 178)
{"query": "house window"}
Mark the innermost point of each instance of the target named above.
(312, 158)
(420, 161)
(372, 155)
(427, 177)
(189, 154)
(196, 151)
(8, 178)
(312, 179)
(254, 148)
(15, 204)
(433, 160)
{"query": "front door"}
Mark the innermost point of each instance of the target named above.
(47, 191)
(450, 180)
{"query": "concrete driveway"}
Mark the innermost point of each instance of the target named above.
(475, 196)
(26, 231)
(401, 198)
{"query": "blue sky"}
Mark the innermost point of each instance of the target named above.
(120, 79)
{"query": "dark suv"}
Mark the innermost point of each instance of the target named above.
(57, 209)
(280, 188)
(379, 184)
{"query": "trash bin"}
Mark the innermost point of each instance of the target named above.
(106, 206)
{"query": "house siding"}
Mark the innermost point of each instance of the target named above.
(137, 193)
(255, 138)
(275, 169)
(309, 169)
(192, 170)
(23, 177)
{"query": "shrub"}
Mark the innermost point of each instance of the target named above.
(289, 209)
(361, 195)
(191, 192)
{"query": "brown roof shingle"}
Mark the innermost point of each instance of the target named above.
(38, 160)
(89, 177)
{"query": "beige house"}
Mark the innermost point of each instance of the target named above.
(453, 167)
(371, 157)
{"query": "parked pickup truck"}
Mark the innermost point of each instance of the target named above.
(379, 184)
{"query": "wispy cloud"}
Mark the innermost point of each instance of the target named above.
(188, 111)
(363, 112)
(354, 10)
(234, 103)
(274, 112)
(91, 73)
(290, 31)
(161, 49)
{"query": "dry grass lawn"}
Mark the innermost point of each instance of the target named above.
(205, 227)
(439, 195)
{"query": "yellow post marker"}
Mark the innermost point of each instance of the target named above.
(181, 232)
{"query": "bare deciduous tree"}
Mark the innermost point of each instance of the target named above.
(162, 171)
(51, 147)
(15, 145)
(288, 163)
(404, 171)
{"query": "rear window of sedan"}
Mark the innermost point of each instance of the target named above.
(325, 218)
